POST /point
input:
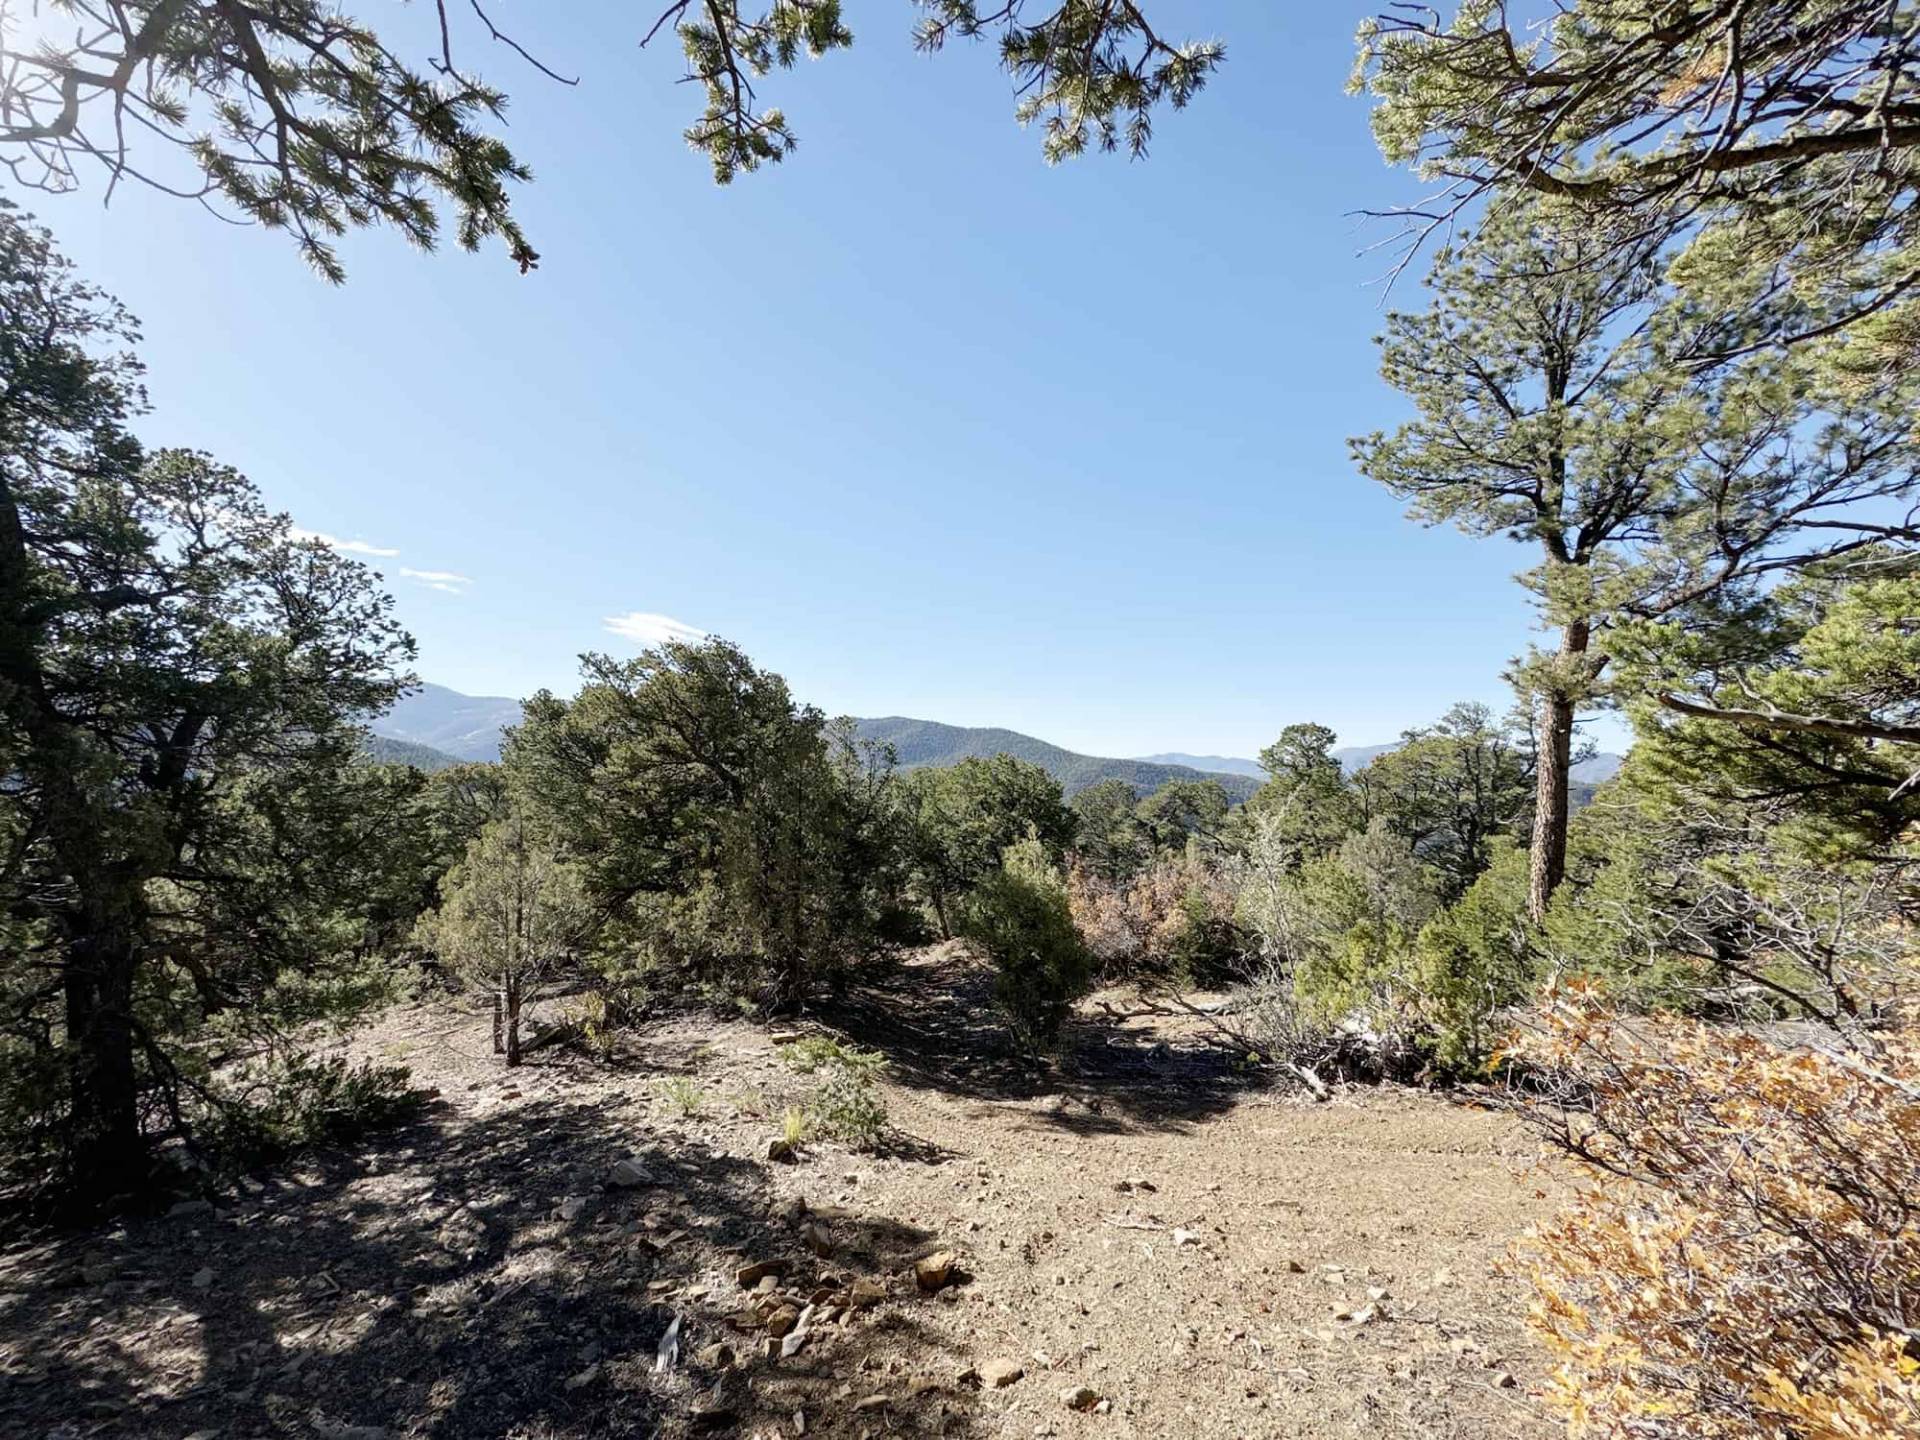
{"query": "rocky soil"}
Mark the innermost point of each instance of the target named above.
(1142, 1241)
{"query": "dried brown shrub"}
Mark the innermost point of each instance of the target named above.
(1748, 1262)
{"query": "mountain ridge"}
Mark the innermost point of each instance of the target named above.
(465, 727)
(932, 742)
(435, 726)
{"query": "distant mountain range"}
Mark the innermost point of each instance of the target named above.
(1596, 771)
(436, 727)
(1219, 764)
(465, 727)
(927, 742)
(385, 750)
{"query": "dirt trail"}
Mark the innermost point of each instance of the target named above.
(1146, 1226)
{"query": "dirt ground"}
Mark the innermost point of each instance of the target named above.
(1143, 1232)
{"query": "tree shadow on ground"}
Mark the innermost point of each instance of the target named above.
(934, 1019)
(471, 1276)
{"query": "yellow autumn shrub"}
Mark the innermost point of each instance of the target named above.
(1748, 1262)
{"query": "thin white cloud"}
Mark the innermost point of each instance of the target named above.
(346, 547)
(446, 581)
(645, 629)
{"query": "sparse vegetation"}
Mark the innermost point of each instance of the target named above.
(1666, 342)
(684, 1095)
(845, 1104)
(1021, 918)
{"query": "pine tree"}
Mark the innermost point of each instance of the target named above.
(180, 686)
(1561, 402)
(305, 119)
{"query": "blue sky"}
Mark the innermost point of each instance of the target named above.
(922, 424)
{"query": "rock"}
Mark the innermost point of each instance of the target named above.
(799, 1422)
(573, 1207)
(630, 1174)
(1294, 1267)
(717, 1406)
(98, 1272)
(1079, 1397)
(1504, 1380)
(968, 1376)
(783, 1321)
(752, 1274)
(794, 1343)
(585, 1378)
(1135, 1182)
(872, 1403)
(816, 1239)
(935, 1272)
(1186, 1237)
(998, 1374)
(186, 1208)
(781, 1152)
(202, 1279)
(329, 1429)
(717, 1356)
(864, 1294)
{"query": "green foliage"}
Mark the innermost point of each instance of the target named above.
(1358, 912)
(596, 1019)
(1020, 917)
(846, 1104)
(267, 1110)
(795, 1126)
(1476, 959)
(1109, 838)
(1181, 810)
(1753, 135)
(306, 119)
(1562, 401)
(1810, 696)
(683, 1094)
(731, 836)
(961, 819)
(1453, 791)
(1203, 944)
(511, 914)
(180, 685)
(1306, 804)
(297, 115)
(1090, 73)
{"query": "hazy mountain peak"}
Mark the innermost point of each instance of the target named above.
(466, 727)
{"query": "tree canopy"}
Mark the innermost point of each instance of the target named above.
(1781, 135)
(304, 118)
(181, 687)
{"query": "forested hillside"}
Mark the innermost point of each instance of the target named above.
(467, 727)
(385, 750)
(927, 742)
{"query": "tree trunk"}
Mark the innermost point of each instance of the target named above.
(109, 1155)
(1547, 859)
(940, 911)
(513, 1025)
(500, 1022)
